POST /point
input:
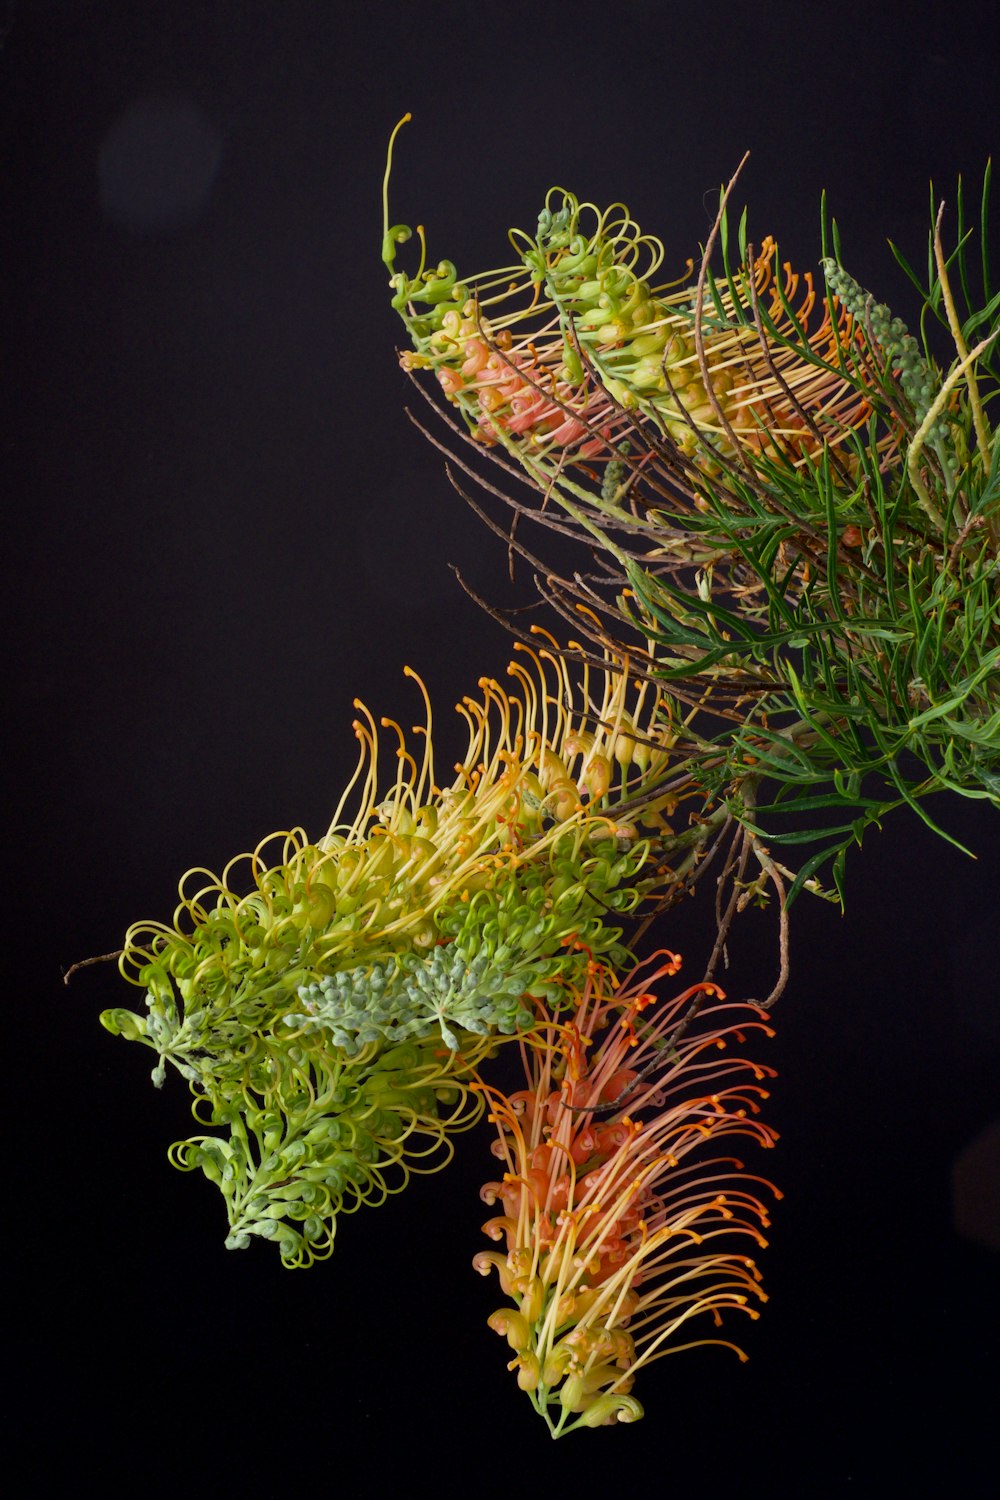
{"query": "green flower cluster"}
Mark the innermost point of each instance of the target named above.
(312, 1134)
(507, 946)
(317, 1081)
(918, 381)
(327, 1007)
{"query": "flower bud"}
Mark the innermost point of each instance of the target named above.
(612, 1408)
(528, 1373)
(512, 1325)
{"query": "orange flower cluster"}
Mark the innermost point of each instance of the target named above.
(619, 1230)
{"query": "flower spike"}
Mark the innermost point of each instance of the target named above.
(559, 355)
(619, 1230)
(422, 926)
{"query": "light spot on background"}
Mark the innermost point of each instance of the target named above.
(975, 1189)
(157, 164)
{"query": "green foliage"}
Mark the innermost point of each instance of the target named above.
(800, 525)
(863, 614)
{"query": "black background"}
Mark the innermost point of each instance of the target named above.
(220, 528)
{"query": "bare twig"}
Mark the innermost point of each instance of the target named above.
(85, 963)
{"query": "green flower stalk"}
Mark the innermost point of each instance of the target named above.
(799, 521)
(326, 1005)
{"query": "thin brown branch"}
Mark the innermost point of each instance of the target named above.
(85, 963)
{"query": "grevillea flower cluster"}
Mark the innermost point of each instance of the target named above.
(624, 1232)
(792, 520)
(795, 507)
(308, 999)
(556, 354)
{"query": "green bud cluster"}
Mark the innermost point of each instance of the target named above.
(505, 945)
(414, 997)
(423, 300)
(916, 377)
(213, 991)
